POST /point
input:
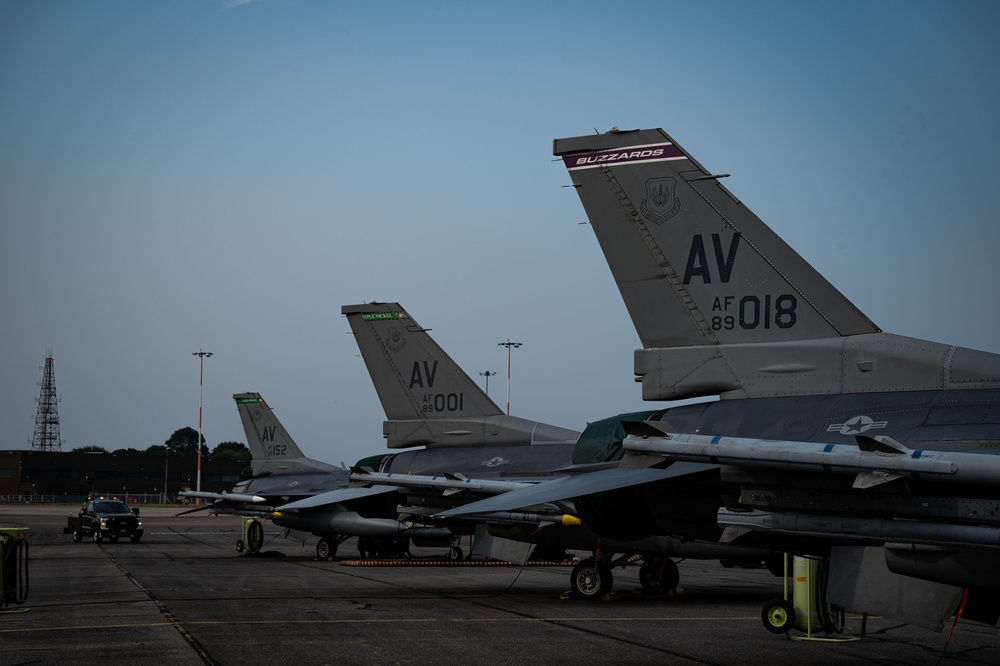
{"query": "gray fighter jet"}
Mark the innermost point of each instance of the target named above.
(725, 308)
(471, 450)
(293, 491)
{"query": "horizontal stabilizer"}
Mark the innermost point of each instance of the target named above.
(575, 486)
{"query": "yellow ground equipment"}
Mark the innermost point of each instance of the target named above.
(13, 566)
(252, 536)
(808, 610)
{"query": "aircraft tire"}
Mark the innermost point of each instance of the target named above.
(455, 554)
(325, 550)
(659, 574)
(590, 581)
(778, 616)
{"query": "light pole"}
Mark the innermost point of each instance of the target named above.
(166, 464)
(508, 345)
(487, 374)
(201, 376)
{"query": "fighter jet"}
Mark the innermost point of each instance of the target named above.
(471, 450)
(725, 308)
(294, 491)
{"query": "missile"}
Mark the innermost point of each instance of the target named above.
(564, 519)
(874, 460)
(231, 497)
(352, 523)
(450, 483)
(865, 529)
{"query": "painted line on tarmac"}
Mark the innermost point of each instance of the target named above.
(171, 619)
(420, 620)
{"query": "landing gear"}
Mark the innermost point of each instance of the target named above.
(455, 554)
(591, 579)
(658, 574)
(325, 549)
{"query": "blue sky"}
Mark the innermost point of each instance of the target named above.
(198, 174)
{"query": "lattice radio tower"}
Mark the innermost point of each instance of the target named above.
(47, 419)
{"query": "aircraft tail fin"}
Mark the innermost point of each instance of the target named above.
(722, 305)
(272, 448)
(694, 265)
(428, 399)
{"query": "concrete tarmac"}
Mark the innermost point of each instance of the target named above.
(184, 595)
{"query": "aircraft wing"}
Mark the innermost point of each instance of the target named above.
(336, 497)
(576, 486)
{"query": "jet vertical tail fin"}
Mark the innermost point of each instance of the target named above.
(721, 303)
(272, 448)
(428, 399)
(693, 264)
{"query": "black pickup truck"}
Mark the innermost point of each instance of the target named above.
(105, 517)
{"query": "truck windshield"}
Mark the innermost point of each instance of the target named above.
(112, 507)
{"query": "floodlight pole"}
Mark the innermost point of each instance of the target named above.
(201, 377)
(508, 345)
(487, 374)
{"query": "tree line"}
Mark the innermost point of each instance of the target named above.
(182, 444)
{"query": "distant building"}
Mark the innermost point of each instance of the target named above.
(75, 474)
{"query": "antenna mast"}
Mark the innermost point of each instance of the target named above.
(46, 436)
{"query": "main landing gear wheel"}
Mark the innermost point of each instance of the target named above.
(325, 549)
(659, 575)
(590, 580)
(455, 554)
(778, 616)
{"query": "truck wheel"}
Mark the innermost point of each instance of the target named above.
(135, 538)
(77, 537)
(113, 538)
(98, 537)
